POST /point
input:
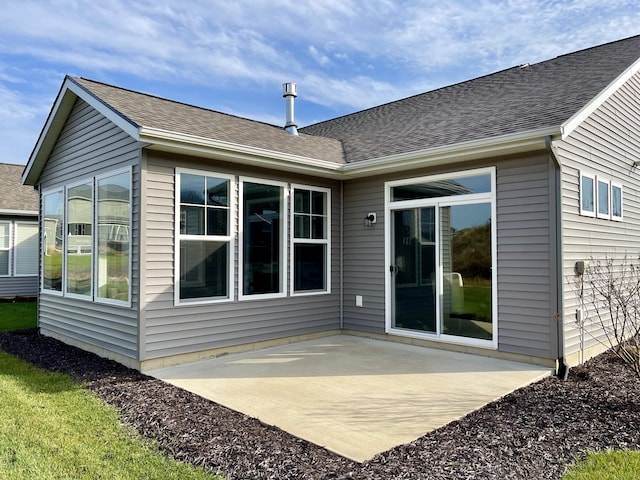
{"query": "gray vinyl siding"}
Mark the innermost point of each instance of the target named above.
(173, 330)
(607, 144)
(524, 236)
(364, 262)
(89, 145)
(23, 286)
(525, 318)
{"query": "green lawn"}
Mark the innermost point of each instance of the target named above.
(18, 315)
(609, 465)
(53, 428)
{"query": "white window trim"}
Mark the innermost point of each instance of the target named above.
(15, 244)
(219, 238)
(605, 216)
(617, 218)
(57, 293)
(94, 276)
(284, 264)
(293, 241)
(65, 241)
(457, 199)
(8, 249)
(587, 213)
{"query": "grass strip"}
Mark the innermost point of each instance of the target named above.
(607, 465)
(17, 315)
(52, 428)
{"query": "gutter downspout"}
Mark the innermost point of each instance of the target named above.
(562, 368)
(341, 255)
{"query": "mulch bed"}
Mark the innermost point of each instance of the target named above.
(534, 432)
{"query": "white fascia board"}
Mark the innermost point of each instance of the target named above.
(581, 115)
(169, 141)
(531, 140)
(127, 125)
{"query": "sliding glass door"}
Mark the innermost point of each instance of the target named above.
(441, 259)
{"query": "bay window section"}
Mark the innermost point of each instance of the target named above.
(79, 239)
(113, 243)
(204, 231)
(263, 245)
(52, 240)
(310, 241)
(86, 239)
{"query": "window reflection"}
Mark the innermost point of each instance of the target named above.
(114, 217)
(443, 188)
(79, 239)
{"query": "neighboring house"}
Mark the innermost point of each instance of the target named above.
(18, 235)
(451, 219)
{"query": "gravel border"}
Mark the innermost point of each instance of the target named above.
(534, 432)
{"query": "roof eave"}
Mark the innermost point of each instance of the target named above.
(529, 141)
(180, 143)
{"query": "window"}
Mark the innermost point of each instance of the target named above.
(26, 249)
(79, 239)
(462, 185)
(600, 197)
(616, 201)
(603, 199)
(587, 195)
(310, 240)
(204, 234)
(113, 243)
(262, 238)
(5, 248)
(52, 240)
(85, 239)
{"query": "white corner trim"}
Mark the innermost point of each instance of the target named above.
(581, 115)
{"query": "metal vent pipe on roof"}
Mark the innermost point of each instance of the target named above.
(290, 92)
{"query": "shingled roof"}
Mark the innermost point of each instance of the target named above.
(519, 99)
(14, 196)
(154, 112)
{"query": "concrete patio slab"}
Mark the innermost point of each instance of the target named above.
(355, 396)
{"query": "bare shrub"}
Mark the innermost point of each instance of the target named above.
(609, 294)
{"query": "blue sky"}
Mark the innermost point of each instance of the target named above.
(233, 56)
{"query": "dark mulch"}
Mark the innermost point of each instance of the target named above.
(534, 432)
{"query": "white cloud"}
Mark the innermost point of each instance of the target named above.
(344, 53)
(319, 57)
